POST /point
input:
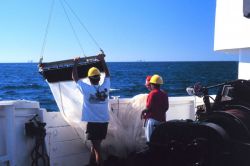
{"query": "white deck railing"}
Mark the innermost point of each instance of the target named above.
(7, 155)
(15, 146)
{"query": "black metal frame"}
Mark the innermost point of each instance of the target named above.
(62, 70)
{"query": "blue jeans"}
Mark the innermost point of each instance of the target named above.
(150, 126)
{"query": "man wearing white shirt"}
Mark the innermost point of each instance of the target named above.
(95, 107)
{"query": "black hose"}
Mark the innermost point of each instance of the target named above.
(36, 129)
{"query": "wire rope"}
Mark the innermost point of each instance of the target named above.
(72, 27)
(46, 31)
(82, 24)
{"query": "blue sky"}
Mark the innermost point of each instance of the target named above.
(127, 30)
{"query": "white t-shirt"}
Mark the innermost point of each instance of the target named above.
(95, 101)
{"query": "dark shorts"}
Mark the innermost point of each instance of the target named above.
(96, 131)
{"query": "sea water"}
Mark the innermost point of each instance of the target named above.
(22, 80)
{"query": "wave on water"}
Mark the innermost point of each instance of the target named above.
(17, 86)
(111, 89)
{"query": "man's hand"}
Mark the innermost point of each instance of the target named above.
(40, 65)
(100, 57)
(144, 113)
(74, 70)
(76, 59)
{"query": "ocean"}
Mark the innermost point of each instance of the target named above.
(22, 80)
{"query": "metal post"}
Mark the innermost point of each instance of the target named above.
(10, 134)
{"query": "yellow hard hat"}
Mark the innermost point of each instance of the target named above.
(156, 79)
(93, 71)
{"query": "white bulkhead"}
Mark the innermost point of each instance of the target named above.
(232, 33)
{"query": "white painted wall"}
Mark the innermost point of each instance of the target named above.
(232, 29)
(232, 33)
(244, 64)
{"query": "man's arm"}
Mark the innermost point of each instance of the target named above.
(167, 102)
(105, 68)
(148, 106)
(74, 70)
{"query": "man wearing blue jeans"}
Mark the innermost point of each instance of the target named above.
(156, 106)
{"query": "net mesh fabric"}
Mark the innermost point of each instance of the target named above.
(125, 132)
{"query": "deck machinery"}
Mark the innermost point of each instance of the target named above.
(219, 136)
